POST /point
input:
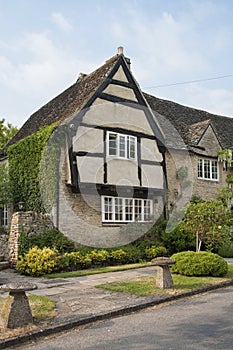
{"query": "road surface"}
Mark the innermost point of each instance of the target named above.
(199, 323)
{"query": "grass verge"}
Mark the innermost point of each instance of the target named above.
(43, 308)
(146, 285)
(97, 270)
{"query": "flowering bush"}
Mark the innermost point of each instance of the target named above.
(153, 252)
(38, 261)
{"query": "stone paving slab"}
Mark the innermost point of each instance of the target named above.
(79, 302)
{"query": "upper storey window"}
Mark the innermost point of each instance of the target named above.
(121, 145)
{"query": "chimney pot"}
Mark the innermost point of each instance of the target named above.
(120, 50)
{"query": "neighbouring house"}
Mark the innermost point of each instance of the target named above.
(127, 156)
(203, 135)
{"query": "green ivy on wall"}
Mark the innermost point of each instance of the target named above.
(24, 169)
(225, 156)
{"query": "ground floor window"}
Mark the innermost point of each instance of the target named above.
(118, 209)
(4, 216)
(208, 169)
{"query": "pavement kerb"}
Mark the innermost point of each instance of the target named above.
(77, 321)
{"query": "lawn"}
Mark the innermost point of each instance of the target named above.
(146, 285)
(97, 270)
(43, 310)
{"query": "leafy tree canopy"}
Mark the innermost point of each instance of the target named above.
(7, 131)
(209, 221)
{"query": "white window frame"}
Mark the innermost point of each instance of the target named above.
(119, 209)
(122, 147)
(208, 166)
(4, 216)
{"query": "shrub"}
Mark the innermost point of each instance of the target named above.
(51, 239)
(153, 252)
(99, 257)
(118, 256)
(38, 262)
(199, 264)
(226, 250)
(154, 233)
(133, 254)
(75, 261)
(178, 240)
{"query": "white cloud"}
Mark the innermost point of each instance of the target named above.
(179, 46)
(213, 100)
(61, 21)
(44, 71)
(161, 44)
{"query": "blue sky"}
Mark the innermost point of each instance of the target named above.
(45, 44)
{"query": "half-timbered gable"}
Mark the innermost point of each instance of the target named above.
(116, 150)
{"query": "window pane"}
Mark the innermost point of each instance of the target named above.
(122, 147)
(118, 209)
(200, 168)
(4, 216)
(206, 169)
(112, 146)
(108, 209)
(128, 209)
(147, 209)
(138, 209)
(132, 147)
(214, 170)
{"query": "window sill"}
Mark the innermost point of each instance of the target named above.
(121, 158)
(210, 180)
(113, 224)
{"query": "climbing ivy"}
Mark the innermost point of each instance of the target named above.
(24, 169)
(225, 156)
(49, 174)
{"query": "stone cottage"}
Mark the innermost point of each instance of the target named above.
(128, 156)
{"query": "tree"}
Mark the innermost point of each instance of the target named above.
(7, 131)
(209, 221)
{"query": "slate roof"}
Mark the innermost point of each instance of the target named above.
(184, 119)
(196, 131)
(67, 103)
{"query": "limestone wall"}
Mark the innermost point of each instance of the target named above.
(4, 245)
(27, 222)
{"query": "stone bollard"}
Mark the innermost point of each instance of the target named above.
(163, 277)
(17, 312)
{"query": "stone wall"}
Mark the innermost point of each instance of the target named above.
(4, 245)
(206, 189)
(27, 222)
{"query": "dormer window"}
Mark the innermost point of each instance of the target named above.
(121, 145)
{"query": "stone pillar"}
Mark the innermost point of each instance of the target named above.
(164, 277)
(27, 222)
(17, 311)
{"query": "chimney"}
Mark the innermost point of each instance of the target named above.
(120, 50)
